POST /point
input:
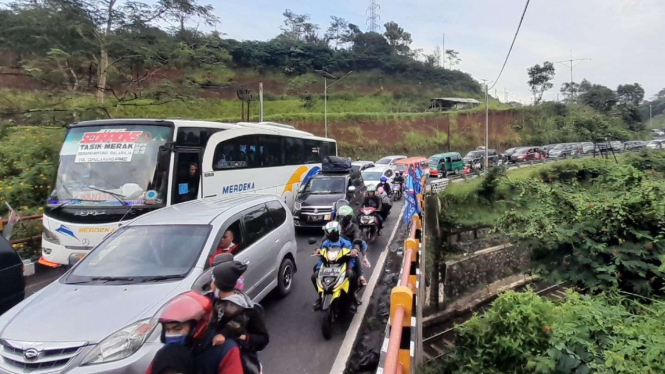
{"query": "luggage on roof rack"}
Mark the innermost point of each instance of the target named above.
(333, 164)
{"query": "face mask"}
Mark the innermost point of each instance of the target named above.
(175, 339)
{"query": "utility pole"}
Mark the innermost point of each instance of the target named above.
(443, 53)
(261, 100)
(650, 116)
(571, 64)
(373, 17)
(487, 123)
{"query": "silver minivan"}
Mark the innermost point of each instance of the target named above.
(99, 316)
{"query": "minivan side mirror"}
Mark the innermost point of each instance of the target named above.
(352, 189)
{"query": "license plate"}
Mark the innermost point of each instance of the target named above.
(314, 218)
(328, 272)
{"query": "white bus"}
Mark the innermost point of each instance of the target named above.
(115, 170)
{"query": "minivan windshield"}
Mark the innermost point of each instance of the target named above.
(326, 185)
(138, 253)
(473, 154)
(372, 175)
(384, 161)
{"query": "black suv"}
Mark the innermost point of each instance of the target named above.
(314, 203)
(479, 156)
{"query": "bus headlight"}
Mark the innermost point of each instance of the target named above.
(49, 236)
(122, 343)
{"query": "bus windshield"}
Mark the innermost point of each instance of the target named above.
(111, 165)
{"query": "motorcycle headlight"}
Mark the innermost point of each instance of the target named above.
(122, 343)
(50, 236)
(297, 205)
(332, 255)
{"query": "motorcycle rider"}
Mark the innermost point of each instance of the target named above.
(351, 232)
(385, 185)
(335, 240)
(372, 200)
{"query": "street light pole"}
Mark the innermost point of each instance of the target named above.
(325, 76)
(650, 117)
(487, 124)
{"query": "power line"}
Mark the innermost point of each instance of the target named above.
(512, 44)
(373, 16)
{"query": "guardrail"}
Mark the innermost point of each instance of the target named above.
(398, 353)
(3, 222)
(438, 185)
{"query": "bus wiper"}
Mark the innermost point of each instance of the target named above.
(157, 278)
(117, 196)
(73, 200)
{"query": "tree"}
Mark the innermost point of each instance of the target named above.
(297, 27)
(433, 58)
(597, 96)
(630, 94)
(569, 91)
(452, 57)
(540, 78)
(398, 39)
(335, 32)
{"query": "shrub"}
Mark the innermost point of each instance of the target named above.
(522, 333)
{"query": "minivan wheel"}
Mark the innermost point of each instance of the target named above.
(285, 277)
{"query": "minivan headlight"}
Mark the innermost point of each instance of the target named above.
(297, 205)
(122, 343)
(50, 236)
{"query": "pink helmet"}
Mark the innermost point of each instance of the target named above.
(380, 190)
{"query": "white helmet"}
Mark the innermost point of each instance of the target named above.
(371, 188)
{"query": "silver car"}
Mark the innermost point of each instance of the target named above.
(99, 316)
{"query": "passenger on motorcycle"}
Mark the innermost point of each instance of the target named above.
(334, 240)
(385, 185)
(372, 200)
(351, 232)
(188, 340)
(399, 178)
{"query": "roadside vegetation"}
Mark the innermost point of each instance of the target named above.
(594, 224)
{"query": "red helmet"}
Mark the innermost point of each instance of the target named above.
(188, 307)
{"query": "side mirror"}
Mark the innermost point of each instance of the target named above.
(352, 189)
(311, 241)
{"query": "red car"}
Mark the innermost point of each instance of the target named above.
(527, 154)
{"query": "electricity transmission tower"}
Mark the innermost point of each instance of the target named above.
(571, 64)
(373, 17)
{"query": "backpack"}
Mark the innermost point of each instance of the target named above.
(250, 360)
(333, 164)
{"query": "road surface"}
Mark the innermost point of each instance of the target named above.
(296, 343)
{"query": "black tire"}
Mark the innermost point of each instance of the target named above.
(285, 277)
(326, 323)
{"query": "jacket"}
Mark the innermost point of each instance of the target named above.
(373, 201)
(207, 359)
(236, 315)
(341, 243)
(386, 187)
(351, 232)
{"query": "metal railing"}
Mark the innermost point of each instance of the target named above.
(399, 350)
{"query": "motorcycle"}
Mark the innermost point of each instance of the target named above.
(333, 285)
(397, 191)
(368, 223)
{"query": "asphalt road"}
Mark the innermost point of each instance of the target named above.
(296, 343)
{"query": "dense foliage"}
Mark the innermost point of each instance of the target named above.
(523, 333)
(82, 46)
(597, 225)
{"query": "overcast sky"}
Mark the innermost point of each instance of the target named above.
(623, 38)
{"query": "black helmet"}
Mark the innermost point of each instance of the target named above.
(332, 231)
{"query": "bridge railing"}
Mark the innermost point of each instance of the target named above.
(399, 351)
